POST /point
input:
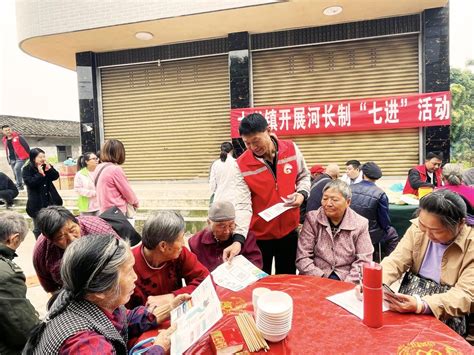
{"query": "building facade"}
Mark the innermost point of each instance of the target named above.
(169, 99)
(58, 138)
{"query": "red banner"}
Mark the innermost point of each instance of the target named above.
(391, 112)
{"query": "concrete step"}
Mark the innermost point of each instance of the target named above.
(192, 204)
(193, 224)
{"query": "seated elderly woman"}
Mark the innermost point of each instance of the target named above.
(334, 241)
(88, 316)
(438, 246)
(162, 261)
(59, 228)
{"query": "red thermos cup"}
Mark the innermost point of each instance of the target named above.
(373, 295)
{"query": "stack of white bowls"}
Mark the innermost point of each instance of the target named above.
(274, 314)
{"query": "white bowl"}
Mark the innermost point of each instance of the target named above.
(275, 338)
(275, 303)
(273, 332)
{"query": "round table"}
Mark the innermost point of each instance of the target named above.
(319, 326)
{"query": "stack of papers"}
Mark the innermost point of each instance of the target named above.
(195, 317)
(237, 275)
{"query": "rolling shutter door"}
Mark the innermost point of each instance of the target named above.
(171, 118)
(351, 70)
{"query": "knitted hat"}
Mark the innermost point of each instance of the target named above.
(221, 211)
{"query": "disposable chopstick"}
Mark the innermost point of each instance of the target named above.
(258, 335)
(249, 327)
(245, 334)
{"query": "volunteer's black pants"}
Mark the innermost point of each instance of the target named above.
(284, 252)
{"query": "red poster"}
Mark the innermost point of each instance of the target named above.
(391, 112)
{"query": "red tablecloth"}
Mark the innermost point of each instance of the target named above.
(319, 326)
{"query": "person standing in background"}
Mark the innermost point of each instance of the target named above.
(17, 151)
(353, 173)
(112, 186)
(39, 176)
(84, 184)
(222, 175)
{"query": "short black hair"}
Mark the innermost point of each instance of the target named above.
(5, 126)
(447, 205)
(437, 155)
(355, 164)
(253, 123)
(51, 219)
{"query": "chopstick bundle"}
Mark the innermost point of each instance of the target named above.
(252, 336)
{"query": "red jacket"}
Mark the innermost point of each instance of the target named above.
(408, 189)
(166, 278)
(266, 190)
(21, 148)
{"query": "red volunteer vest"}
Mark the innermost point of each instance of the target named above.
(267, 191)
(20, 152)
(422, 170)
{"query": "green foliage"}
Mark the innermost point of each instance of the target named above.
(462, 116)
(53, 159)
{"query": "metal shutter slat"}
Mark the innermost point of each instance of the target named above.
(379, 67)
(171, 119)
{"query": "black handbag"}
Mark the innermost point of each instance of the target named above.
(413, 284)
(120, 224)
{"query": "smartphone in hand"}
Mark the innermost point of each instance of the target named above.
(387, 289)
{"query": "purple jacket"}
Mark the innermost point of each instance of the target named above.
(209, 251)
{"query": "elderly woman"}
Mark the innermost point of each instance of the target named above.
(453, 180)
(59, 228)
(162, 261)
(438, 246)
(88, 316)
(334, 240)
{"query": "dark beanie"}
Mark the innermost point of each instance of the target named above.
(372, 170)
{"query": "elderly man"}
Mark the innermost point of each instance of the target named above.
(371, 202)
(59, 228)
(270, 171)
(162, 262)
(18, 314)
(426, 175)
(210, 243)
(334, 241)
(353, 173)
(316, 193)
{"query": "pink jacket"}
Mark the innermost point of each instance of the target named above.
(113, 188)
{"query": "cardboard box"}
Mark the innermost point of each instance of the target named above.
(66, 183)
(68, 170)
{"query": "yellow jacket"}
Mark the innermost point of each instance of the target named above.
(457, 269)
